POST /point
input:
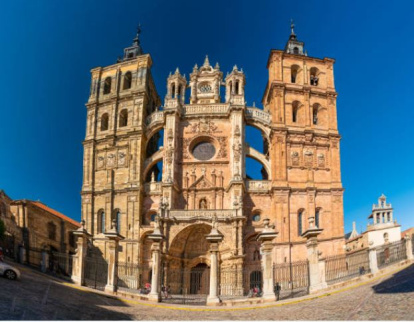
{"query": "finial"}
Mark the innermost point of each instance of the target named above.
(235, 67)
(177, 71)
(136, 39)
(217, 66)
(206, 62)
(292, 27)
(195, 67)
(254, 104)
(83, 223)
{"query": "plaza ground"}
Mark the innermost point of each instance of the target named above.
(37, 296)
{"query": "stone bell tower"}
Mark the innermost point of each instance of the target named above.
(122, 95)
(304, 148)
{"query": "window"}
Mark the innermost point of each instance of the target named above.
(300, 215)
(314, 79)
(51, 230)
(127, 80)
(388, 217)
(237, 88)
(256, 217)
(118, 221)
(294, 73)
(152, 217)
(317, 218)
(104, 121)
(123, 118)
(296, 51)
(295, 109)
(315, 114)
(101, 222)
(173, 90)
(179, 91)
(385, 237)
(107, 85)
(231, 87)
(72, 240)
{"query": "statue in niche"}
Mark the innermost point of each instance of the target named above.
(295, 158)
(203, 204)
(321, 161)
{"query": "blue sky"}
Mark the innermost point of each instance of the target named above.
(49, 47)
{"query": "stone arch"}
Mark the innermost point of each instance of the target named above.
(260, 126)
(151, 161)
(256, 155)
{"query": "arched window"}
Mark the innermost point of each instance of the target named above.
(296, 51)
(172, 90)
(300, 227)
(385, 237)
(237, 88)
(315, 114)
(152, 217)
(51, 230)
(256, 217)
(118, 221)
(104, 121)
(179, 91)
(123, 118)
(127, 80)
(295, 110)
(294, 73)
(107, 85)
(314, 79)
(101, 222)
(317, 222)
(231, 87)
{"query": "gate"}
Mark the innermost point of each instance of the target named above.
(186, 286)
(96, 272)
(391, 253)
(291, 279)
(34, 257)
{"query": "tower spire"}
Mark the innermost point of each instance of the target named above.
(292, 27)
(136, 49)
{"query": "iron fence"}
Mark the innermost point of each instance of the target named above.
(132, 276)
(34, 257)
(60, 264)
(345, 266)
(391, 253)
(237, 282)
(291, 279)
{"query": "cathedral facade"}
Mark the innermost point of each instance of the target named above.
(183, 164)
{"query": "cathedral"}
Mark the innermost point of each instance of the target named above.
(180, 163)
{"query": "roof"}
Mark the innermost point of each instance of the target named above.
(409, 231)
(54, 212)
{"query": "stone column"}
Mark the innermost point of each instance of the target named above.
(316, 276)
(113, 243)
(409, 247)
(373, 264)
(156, 237)
(214, 238)
(78, 270)
(266, 239)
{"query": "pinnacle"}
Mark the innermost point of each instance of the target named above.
(206, 62)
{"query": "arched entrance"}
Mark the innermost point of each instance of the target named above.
(188, 266)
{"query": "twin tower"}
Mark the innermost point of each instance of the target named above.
(184, 160)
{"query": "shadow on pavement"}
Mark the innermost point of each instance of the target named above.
(401, 282)
(37, 297)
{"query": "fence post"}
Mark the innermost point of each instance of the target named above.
(316, 275)
(266, 238)
(157, 238)
(78, 270)
(373, 264)
(409, 247)
(114, 239)
(214, 238)
(45, 261)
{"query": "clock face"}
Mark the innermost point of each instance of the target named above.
(205, 88)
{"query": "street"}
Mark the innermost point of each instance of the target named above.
(37, 296)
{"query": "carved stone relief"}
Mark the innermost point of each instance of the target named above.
(295, 158)
(308, 158)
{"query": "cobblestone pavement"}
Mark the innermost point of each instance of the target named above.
(37, 296)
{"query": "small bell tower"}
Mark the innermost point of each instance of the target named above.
(235, 82)
(176, 86)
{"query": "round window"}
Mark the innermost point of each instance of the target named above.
(204, 151)
(256, 217)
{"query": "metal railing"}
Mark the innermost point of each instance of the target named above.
(291, 279)
(391, 253)
(345, 266)
(132, 276)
